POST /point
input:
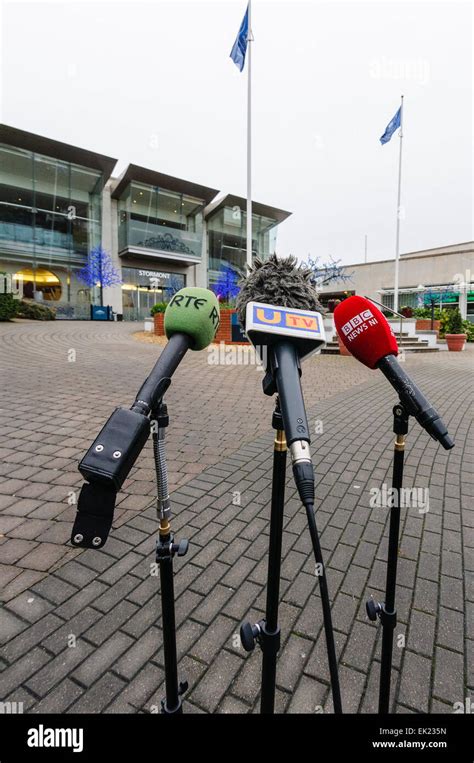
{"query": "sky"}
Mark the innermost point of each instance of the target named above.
(152, 83)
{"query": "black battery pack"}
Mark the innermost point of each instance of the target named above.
(116, 448)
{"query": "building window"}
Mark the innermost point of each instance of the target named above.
(40, 284)
(442, 296)
(49, 210)
(329, 299)
(405, 299)
(227, 232)
(50, 218)
(154, 218)
(409, 299)
(387, 300)
(141, 289)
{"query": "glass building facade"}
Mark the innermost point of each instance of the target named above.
(142, 288)
(227, 239)
(50, 218)
(59, 202)
(157, 219)
(443, 297)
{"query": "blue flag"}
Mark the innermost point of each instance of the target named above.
(393, 125)
(239, 48)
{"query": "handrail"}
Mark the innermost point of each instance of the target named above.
(394, 312)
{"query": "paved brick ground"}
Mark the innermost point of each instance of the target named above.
(82, 628)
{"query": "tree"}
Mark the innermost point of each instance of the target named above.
(430, 297)
(99, 271)
(174, 285)
(227, 284)
(325, 273)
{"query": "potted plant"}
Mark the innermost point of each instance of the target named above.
(425, 321)
(158, 314)
(342, 348)
(468, 328)
(455, 338)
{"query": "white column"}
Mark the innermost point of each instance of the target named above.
(249, 137)
(201, 270)
(399, 196)
(463, 300)
(112, 294)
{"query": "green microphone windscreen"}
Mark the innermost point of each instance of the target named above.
(195, 312)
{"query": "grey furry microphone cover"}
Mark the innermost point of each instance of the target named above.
(278, 281)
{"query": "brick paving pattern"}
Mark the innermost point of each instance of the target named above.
(82, 629)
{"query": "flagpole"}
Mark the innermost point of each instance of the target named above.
(397, 243)
(249, 136)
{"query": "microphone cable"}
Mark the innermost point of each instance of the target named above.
(326, 606)
(304, 479)
(303, 473)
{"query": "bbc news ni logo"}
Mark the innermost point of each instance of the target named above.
(357, 320)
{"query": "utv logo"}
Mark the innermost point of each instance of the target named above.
(46, 737)
(358, 320)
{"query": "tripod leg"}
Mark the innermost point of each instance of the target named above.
(270, 632)
(387, 611)
(388, 614)
(172, 704)
(386, 668)
(165, 551)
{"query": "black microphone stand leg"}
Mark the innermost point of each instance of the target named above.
(267, 632)
(166, 549)
(386, 611)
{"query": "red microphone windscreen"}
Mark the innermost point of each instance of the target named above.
(364, 330)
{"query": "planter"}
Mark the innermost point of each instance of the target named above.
(224, 332)
(424, 324)
(229, 328)
(159, 320)
(455, 342)
(342, 348)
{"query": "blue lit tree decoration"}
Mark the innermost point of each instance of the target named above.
(99, 271)
(325, 273)
(435, 295)
(431, 296)
(227, 285)
(174, 285)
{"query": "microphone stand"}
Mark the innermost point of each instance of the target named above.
(267, 632)
(386, 610)
(107, 464)
(166, 549)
